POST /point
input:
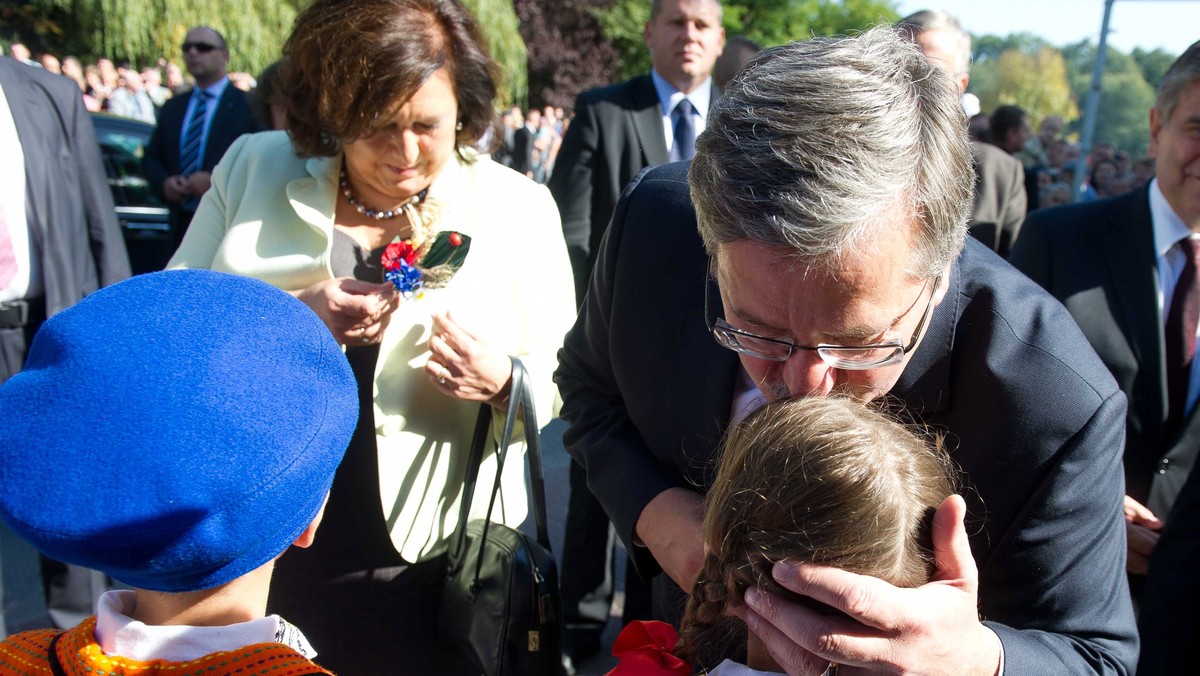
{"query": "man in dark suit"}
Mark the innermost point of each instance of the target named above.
(617, 131)
(831, 193)
(59, 237)
(623, 128)
(1121, 266)
(194, 131)
(1000, 200)
(522, 156)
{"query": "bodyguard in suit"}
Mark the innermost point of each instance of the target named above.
(617, 131)
(623, 128)
(831, 192)
(194, 131)
(59, 237)
(1125, 268)
(1000, 200)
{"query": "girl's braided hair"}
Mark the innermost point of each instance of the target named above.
(828, 481)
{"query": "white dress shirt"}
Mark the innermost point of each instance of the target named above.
(669, 97)
(1169, 228)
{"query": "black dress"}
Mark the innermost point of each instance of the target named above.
(363, 607)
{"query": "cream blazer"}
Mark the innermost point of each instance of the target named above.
(269, 215)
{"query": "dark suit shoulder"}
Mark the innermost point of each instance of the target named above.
(619, 93)
(1072, 218)
(1031, 313)
(988, 153)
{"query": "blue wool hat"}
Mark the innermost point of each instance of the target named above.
(176, 431)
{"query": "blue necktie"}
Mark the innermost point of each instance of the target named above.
(189, 144)
(685, 131)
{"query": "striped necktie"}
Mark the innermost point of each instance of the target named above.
(189, 153)
(1180, 332)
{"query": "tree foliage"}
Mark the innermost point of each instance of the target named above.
(1036, 82)
(568, 52)
(768, 22)
(1125, 96)
(143, 31)
(1154, 64)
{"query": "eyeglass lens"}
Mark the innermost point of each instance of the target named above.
(202, 47)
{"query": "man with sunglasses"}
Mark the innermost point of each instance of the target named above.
(817, 245)
(195, 130)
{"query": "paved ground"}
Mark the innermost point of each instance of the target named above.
(24, 609)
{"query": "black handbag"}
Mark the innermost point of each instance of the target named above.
(501, 607)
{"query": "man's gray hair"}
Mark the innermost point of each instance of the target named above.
(938, 20)
(1183, 72)
(816, 146)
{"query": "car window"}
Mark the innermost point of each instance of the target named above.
(122, 150)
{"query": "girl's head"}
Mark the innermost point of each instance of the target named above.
(828, 481)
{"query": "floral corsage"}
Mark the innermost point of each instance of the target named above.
(413, 268)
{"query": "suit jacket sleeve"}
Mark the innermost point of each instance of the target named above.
(1031, 252)
(153, 161)
(622, 470)
(571, 184)
(207, 230)
(1066, 607)
(1015, 206)
(104, 232)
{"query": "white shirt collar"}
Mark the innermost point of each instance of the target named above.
(1169, 228)
(120, 635)
(669, 96)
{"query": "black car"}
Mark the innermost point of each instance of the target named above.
(145, 219)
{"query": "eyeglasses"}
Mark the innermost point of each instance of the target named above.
(846, 357)
(202, 47)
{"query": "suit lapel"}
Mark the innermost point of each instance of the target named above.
(219, 127)
(1128, 244)
(701, 390)
(28, 113)
(647, 122)
(315, 197)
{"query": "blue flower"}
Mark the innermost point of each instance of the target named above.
(406, 278)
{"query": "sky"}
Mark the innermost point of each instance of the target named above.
(1149, 24)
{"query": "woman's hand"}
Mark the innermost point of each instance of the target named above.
(356, 312)
(464, 367)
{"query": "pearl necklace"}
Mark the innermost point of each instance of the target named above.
(371, 213)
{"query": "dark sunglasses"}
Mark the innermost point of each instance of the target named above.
(202, 47)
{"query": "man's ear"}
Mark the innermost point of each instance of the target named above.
(1156, 125)
(647, 32)
(310, 533)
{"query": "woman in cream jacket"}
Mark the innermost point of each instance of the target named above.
(311, 215)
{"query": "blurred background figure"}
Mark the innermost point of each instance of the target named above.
(20, 52)
(73, 69)
(267, 98)
(738, 50)
(51, 63)
(130, 98)
(194, 131)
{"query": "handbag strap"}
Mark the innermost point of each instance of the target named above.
(520, 399)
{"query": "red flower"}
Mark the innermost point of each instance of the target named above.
(645, 649)
(398, 251)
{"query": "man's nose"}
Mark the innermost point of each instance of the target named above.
(805, 374)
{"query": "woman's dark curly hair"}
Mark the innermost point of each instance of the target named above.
(351, 63)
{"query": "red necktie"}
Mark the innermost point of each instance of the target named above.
(8, 259)
(1180, 334)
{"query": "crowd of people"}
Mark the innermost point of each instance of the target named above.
(773, 309)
